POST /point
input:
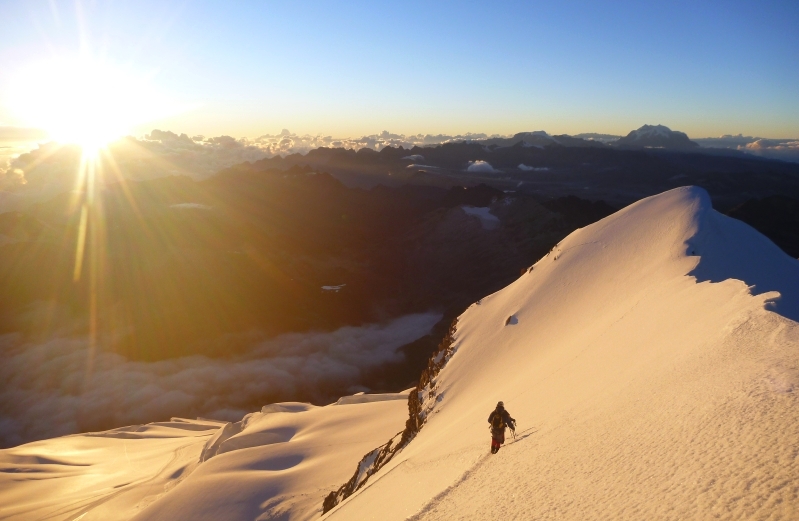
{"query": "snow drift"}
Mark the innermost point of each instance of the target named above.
(651, 360)
(274, 464)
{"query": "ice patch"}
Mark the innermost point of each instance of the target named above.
(526, 168)
(488, 220)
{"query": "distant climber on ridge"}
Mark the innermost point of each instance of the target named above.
(499, 420)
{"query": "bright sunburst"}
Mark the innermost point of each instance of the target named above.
(84, 101)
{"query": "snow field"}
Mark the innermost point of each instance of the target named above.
(105, 475)
(279, 463)
(284, 461)
(488, 220)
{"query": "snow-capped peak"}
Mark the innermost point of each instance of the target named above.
(656, 136)
(652, 130)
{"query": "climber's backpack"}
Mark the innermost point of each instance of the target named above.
(498, 421)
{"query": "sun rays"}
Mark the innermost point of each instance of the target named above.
(85, 101)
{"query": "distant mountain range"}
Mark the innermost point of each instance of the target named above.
(545, 166)
(661, 137)
(540, 139)
(648, 136)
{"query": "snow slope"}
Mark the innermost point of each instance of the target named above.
(278, 464)
(652, 362)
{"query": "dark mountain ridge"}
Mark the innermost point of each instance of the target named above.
(618, 175)
(776, 217)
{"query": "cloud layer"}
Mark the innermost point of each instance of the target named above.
(61, 387)
(786, 150)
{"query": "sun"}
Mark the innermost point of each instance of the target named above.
(84, 101)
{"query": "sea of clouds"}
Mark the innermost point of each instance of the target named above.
(62, 386)
(201, 156)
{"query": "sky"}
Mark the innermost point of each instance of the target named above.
(356, 68)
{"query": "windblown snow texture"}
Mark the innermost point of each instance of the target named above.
(274, 464)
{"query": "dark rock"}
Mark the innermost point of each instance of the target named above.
(776, 217)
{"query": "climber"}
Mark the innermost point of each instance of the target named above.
(499, 420)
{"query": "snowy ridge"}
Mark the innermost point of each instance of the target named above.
(650, 360)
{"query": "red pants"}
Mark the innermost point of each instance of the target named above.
(497, 439)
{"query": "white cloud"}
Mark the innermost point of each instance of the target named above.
(772, 144)
(787, 150)
(482, 167)
(288, 143)
(60, 386)
(12, 178)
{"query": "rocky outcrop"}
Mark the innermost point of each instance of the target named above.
(420, 403)
(776, 217)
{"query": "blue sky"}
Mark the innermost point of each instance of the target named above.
(249, 68)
